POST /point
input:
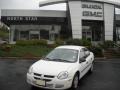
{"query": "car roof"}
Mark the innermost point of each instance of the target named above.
(70, 47)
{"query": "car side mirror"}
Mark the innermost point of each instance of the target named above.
(87, 53)
(42, 57)
(82, 60)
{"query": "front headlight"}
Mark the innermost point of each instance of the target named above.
(30, 71)
(63, 75)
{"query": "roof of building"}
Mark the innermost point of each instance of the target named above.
(39, 13)
(50, 2)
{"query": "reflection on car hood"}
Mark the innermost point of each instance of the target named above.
(50, 67)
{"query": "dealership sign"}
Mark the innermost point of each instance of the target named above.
(19, 18)
(92, 11)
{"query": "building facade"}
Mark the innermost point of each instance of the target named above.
(34, 24)
(94, 20)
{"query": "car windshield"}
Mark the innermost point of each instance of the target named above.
(63, 55)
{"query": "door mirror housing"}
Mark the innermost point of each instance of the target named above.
(87, 53)
(82, 60)
(42, 57)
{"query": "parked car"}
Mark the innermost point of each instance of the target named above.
(62, 68)
(3, 41)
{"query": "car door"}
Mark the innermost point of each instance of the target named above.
(88, 59)
(82, 65)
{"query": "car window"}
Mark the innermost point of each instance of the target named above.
(86, 51)
(68, 55)
(82, 53)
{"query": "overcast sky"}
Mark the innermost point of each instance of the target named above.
(30, 4)
(26, 4)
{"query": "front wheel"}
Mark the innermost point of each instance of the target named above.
(75, 82)
(91, 68)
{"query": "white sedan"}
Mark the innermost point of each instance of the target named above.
(62, 68)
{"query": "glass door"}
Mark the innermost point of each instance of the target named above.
(87, 33)
(24, 35)
(34, 35)
(118, 33)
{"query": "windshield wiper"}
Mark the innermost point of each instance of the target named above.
(61, 60)
(47, 58)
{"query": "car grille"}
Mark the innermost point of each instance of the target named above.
(46, 78)
(49, 76)
(36, 74)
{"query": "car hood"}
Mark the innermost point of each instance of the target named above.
(51, 67)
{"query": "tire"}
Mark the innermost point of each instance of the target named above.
(91, 68)
(75, 82)
(33, 87)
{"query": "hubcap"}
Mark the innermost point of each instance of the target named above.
(76, 82)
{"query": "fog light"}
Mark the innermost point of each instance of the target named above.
(49, 85)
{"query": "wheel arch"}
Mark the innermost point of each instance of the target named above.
(78, 73)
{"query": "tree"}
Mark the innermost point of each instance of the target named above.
(4, 32)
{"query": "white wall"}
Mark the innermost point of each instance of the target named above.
(11, 36)
(76, 18)
(39, 13)
(109, 21)
(107, 16)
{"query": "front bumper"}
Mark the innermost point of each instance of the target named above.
(53, 84)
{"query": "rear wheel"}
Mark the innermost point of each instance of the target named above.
(75, 82)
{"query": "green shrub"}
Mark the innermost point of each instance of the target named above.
(52, 45)
(107, 44)
(86, 42)
(98, 51)
(6, 47)
(26, 51)
(31, 42)
(40, 42)
(59, 42)
(79, 42)
(73, 42)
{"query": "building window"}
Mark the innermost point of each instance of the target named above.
(118, 33)
(92, 30)
(24, 35)
(87, 33)
(44, 34)
(34, 35)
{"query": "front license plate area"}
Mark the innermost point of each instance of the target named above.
(40, 82)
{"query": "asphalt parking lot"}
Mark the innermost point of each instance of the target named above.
(106, 76)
